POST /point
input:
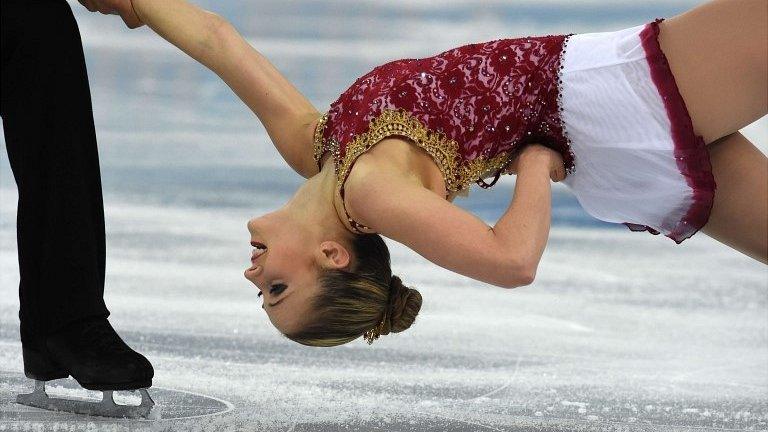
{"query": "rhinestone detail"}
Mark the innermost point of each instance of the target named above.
(448, 96)
(559, 68)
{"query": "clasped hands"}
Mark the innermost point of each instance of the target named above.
(541, 153)
(115, 7)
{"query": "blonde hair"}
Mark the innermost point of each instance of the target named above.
(367, 301)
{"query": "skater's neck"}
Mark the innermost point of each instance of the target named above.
(314, 201)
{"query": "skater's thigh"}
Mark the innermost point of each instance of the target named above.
(717, 53)
(739, 215)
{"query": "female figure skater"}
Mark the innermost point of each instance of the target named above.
(640, 123)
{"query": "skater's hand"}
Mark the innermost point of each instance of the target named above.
(115, 7)
(537, 151)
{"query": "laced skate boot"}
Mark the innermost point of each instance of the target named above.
(98, 359)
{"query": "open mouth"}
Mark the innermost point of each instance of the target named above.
(260, 248)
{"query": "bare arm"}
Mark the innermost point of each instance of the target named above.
(524, 227)
(436, 229)
(288, 116)
(188, 27)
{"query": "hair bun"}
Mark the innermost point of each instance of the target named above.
(395, 283)
(403, 306)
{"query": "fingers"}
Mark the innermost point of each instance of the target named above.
(88, 5)
(124, 8)
(97, 6)
(559, 174)
(132, 23)
(558, 166)
(102, 6)
(557, 171)
(128, 14)
(130, 19)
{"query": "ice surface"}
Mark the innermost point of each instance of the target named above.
(621, 331)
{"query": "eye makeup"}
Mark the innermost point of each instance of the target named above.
(276, 289)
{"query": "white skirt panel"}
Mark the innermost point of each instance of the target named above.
(637, 160)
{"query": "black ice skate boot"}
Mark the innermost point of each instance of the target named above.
(98, 359)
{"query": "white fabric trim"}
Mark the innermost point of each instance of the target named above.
(620, 133)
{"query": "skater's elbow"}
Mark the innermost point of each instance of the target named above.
(522, 280)
(216, 33)
(519, 275)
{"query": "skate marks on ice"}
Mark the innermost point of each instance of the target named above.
(169, 403)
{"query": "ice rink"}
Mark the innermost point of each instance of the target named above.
(620, 331)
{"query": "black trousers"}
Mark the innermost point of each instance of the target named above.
(48, 125)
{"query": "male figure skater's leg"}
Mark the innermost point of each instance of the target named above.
(51, 143)
(49, 134)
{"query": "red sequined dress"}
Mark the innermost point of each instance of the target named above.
(606, 101)
(471, 108)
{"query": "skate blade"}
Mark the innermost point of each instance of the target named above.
(106, 408)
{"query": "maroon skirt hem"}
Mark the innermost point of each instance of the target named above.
(690, 150)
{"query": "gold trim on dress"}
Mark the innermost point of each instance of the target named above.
(457, 174)
(318, 140)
